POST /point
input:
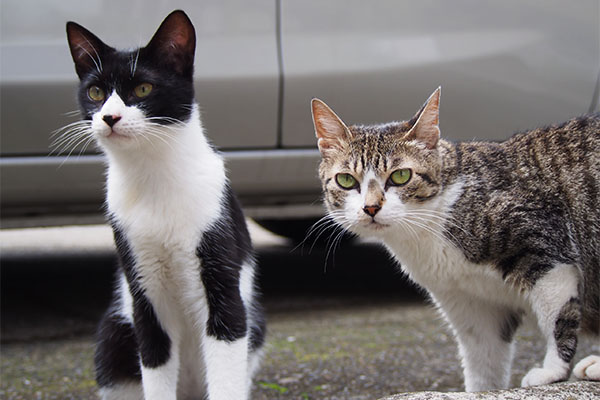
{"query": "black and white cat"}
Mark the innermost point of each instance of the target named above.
(184, 322)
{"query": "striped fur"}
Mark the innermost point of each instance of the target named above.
(491, 230)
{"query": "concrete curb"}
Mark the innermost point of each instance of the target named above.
(581, 390)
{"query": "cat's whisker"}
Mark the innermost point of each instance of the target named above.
(66, 141)
(423, 225)
(441, 221)
(441, 237)
(80, 140)
(332, 244)
(74, 127)
(173, 121)
(325, 219)
(69, 142)
(442, 218)
(333, 226)
(426, 228)
(65, 135)
(320, 227)
(425, 221)
(67, 128)
(161, 136)
(313, 228)
(409, 229)
(136, 139)
(337, 242)
(149, 134)
(321, 231)
(170, 133)
(165, 131)
(135, 62)
(86, 145)
(328, 222)
(74, 113)
(186, 107)
(58, 144)
(98, 64)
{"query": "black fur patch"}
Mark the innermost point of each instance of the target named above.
(222, 251)
(153, 342)
(565, 329)
(116, 357)
(427, 179)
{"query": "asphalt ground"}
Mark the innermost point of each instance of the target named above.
(342, 324)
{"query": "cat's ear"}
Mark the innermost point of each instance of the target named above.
(330, 130)
(86, 49)
(174, 43)
(426, 126)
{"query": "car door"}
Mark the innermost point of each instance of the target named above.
(503, 66)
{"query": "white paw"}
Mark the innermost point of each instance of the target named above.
(588, 368)
(542, 376)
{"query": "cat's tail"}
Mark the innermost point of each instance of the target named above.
(588, 368)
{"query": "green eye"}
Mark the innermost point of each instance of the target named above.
(143, 90)
(346, 181)
(95, 93)
(401, 176)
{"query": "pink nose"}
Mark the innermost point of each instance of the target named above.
(371, 210)
(111, 119)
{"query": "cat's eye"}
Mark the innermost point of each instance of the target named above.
(400, 177)
(143, 90)
(95, 93)
(346, 181)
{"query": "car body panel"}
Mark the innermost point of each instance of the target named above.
(51, 190)
(236, 64)
(503, 66)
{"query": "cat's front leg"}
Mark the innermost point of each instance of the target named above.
(158, 348)
(555, 302)
(484, 332)
(225, 346)
(226, 368)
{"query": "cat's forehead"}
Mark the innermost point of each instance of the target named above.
(377, 147)
(119, 66)
(389, 129)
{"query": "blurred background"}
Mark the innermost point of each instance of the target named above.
(343, 322)
(503, 66)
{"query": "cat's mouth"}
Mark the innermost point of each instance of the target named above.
(114, 135)
(375, 225)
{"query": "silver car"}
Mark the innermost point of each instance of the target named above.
(503, 66)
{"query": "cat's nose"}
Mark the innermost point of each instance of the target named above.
(371, 210)
(111, 119)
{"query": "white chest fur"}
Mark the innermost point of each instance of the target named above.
(164, 194)
(441, 268)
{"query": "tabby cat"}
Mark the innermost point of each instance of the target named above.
(493, 231)
(184, 322)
